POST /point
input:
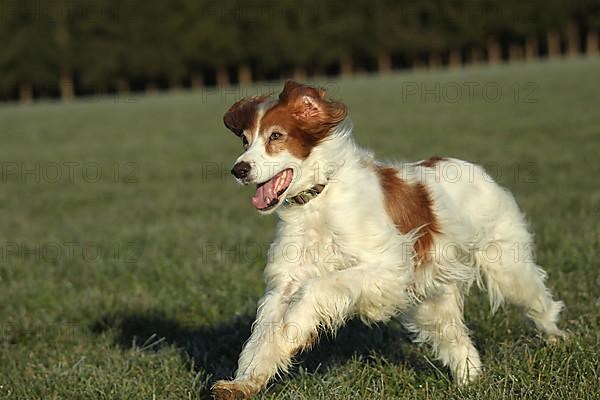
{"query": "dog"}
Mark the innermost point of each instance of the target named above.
(360, 238)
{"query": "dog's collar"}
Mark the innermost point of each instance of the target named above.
(305, 196)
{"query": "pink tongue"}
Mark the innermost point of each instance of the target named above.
(265, 194)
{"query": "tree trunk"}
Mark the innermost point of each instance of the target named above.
(176, 86)
(591, 45)
(196, 81)
(418, 64)
(532, 50)
(384, 62)
(455, 59)
(573, 40)
(553, 44)
(151, 87)
(67, 92)
(25, 93)
(475, 55)
(222, 76)
(494, 52)
(122, 86)
(244, 74)
(346, 66)
(435, 61)
(299, 74)
(62, 35)
(515, 52)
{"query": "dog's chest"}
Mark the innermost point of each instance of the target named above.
(318, 244)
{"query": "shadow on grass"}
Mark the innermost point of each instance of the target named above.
(215, 349)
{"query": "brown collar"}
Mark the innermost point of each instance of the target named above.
(305, 196)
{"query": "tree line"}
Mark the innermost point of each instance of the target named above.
(78, 47)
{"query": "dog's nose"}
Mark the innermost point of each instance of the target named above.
(241, 170)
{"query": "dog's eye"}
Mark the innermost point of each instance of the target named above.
(275, 136)
(245, 141)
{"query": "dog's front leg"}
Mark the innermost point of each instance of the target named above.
(287, 324)
(258, 361)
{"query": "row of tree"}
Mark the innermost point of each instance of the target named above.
(68, 47)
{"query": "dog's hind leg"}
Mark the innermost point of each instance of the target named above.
(507, 261)
(438, 320)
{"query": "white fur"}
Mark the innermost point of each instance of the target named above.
(340, 256)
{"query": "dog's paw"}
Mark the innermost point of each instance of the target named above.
(556, 336)
(233, 390)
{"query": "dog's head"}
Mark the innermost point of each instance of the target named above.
(278, 138)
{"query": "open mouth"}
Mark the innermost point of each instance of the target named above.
(268, 194)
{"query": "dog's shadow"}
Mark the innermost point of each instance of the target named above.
(215, 349)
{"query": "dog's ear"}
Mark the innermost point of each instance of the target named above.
(309, 103)
(242, 114)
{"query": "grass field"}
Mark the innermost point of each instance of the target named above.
(142, 283)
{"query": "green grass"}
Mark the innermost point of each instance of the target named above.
(165, 315)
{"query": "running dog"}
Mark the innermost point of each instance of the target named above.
(372, 240)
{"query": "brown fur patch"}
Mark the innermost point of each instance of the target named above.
(305, 116)
(410, 207)
(242, 115)
(431, 162)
